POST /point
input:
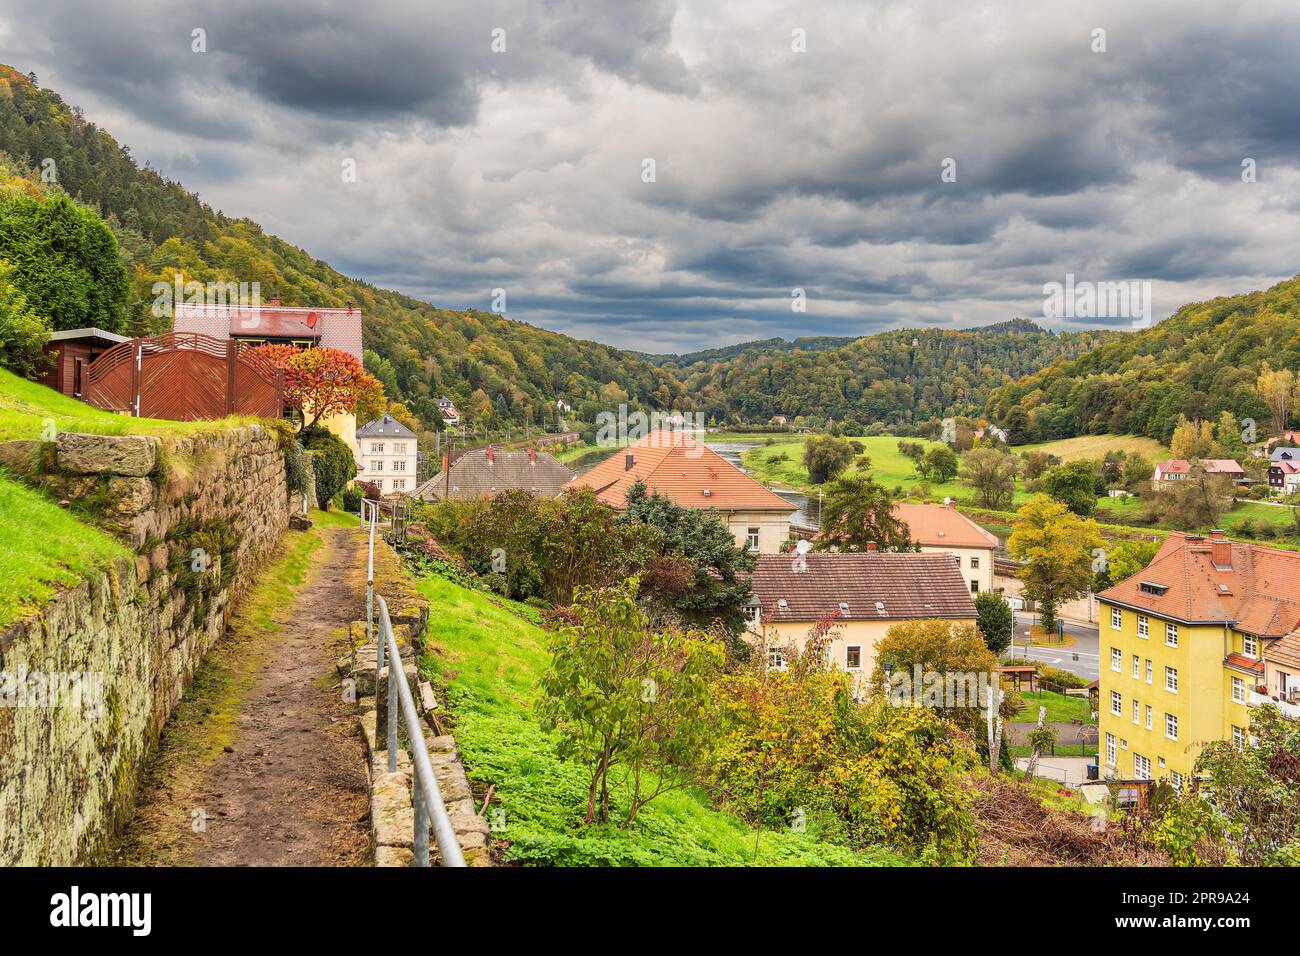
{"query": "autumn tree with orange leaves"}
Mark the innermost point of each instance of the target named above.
(323, 382)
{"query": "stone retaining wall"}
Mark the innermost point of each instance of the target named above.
(201, 514)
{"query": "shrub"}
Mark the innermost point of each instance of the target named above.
(352, 499)
(332, 461)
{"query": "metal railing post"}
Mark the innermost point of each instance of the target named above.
(430, 811)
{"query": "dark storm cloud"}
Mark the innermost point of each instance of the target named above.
(522, 169)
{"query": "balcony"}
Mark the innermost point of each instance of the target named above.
(1289, 706)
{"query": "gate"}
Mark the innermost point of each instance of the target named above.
(184, 376)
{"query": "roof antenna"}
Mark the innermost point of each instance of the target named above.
(801, 556)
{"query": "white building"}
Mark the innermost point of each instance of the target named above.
(386, 455)
(944, 529)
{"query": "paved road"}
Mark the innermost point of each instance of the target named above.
(1081, 658)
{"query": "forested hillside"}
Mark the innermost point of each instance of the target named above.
(902, 377)
(1204, 360)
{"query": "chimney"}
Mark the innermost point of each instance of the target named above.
(490, 459)
(532, 456)
(1220, 550)
(628, 462)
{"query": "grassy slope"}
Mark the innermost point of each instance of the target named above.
(26, 407)
(1096, 446)
(43, 549)
(492, 662)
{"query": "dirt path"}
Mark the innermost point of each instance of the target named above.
(285, 783)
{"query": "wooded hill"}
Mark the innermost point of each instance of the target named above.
(1201, 361)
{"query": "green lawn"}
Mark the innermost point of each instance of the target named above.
(491, 660)
(889, 467)
(43, 549)
(1060, 709)
(28, 409)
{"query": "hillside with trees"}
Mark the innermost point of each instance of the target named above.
(1205, 360)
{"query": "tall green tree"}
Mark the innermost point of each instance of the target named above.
(23, 333)
(826, 456)
(66, 260)
(992, 474)
(857, 513)
(1057, 547)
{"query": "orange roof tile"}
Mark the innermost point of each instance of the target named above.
(682, 469)
(1256, 589)
(940, 525)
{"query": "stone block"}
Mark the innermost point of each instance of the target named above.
(131, 455)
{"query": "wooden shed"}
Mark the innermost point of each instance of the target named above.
(72, 352)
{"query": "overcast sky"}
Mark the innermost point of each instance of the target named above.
(775, 168)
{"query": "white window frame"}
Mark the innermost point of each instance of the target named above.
(1116, 618)
(1239, 737)
(1171, 635)
(751, 539)
(1137, 667)
(1116, 703)
(1238, 690)
(1144, 626)
(1110, 750)
(776, 658)
(1176, 780)
(376, 448)
(1150, 670)
(1171, 679)
(1137, 712)
(1171, 726)
(975, 561)
(1117, 660)
(1141, 767)
(1147, 714)
(1250, 645)
(847, 649)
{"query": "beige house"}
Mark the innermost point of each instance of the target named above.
(942, 529)
(691, 474)
(868, 593)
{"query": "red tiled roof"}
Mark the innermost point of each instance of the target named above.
(682, 469)
(940, 525)
(1245, 663)
(1221, 466)
(906, 586)
(1259, 593)
(1174, 466)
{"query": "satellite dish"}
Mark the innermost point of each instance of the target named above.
(803, 547)
(312, 319)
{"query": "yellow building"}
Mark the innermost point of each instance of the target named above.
(1182, 645)
(866, 593)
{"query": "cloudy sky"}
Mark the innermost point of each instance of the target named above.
(794, 145)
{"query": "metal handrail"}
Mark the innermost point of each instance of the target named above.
(426, 797)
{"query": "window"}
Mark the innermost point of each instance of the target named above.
(1136, 710)
(975, 562)
(399, 465)
(1171, 679)
(1238, 690)
(399, 484)
(1155, 590)
(399, 448)
(1116, 618)
(1171, 635)
(974, 586)
(1149, 670)
(1144, 626)
(378, 468)
(1148, 716)
(1137, 667)
(775, 658)
(1116, 660)
(1116, 703)
(1171, 726)
(1250, 644)
(1239, 737)
(376, 448)
(853, 657)
(1123, 744)
(751, 539)
(755, 614)
(1176, 779)
(1141, 767)
(1110, 749)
